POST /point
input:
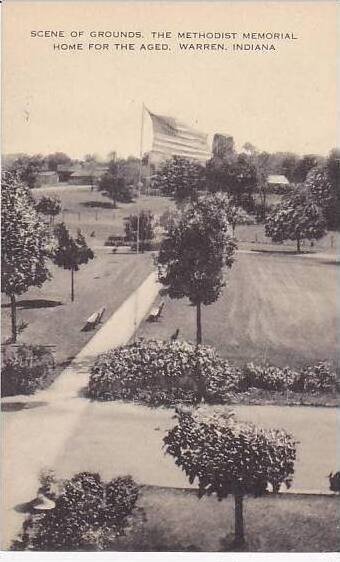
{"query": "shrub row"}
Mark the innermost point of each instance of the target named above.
(165, 373)
(25, 369)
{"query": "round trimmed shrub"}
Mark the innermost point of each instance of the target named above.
(25, 369)
(162, 373)
(89, 514)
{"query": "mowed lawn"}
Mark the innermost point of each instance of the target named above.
(277, 308)
(91, 210)
(179, 521)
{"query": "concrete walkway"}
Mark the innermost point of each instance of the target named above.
(34, 437)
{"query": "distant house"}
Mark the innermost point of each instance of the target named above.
(65, 171)
(47, 178)
(81, 177)
(87, 174)
(278, 183)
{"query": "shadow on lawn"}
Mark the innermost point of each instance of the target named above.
(34, 303)
(17, 406)
(99, 204)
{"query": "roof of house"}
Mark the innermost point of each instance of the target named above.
(278, 179)
(51, 173)
(82, 173)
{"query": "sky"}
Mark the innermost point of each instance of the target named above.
(91, 101)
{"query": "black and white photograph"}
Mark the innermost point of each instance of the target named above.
(170, 217)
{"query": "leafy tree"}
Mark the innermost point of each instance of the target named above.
(55, 159)
(195, 252)
(50, 206)
(295, 218)
(307, 163)
(28, 168)
(237, 215)
(91, 158)
(180, 178)
(25, 243)
(229, 457)
(322, 184)
(70, 253)
(114, 185)
(236, 177)
(139, 229)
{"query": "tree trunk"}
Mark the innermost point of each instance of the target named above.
(14, 318)
(198, 324)
(72, 284)
(298, 244)
(239, 526)
(264, 205)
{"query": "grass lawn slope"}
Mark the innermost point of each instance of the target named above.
(276, 308)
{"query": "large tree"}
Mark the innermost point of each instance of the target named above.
(50, 206)
(55, 159)
(28, 168)
(25, 242)
(229, 457)
(70, 253)
(236, 177)
(297, 217)
(139, 229)
(180, 178)
(114, 183)
(195, 253)
(323, 184)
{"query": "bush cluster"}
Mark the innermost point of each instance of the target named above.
(89, 514)
(162, 373)
(319, 378)
(26, 369)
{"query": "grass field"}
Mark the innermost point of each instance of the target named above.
(177, 521)
(275, 308)
(91, 211)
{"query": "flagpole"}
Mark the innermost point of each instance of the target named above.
(140, 174)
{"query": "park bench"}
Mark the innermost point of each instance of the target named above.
(94, 319)
(156, 312)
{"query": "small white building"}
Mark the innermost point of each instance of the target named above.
(277, 183)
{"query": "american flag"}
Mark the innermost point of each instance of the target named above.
(174, 138)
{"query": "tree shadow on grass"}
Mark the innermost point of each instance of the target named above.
(34, 303)
(17, 406)
(99, 204)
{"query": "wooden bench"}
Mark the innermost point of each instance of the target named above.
(156, 312)
(94, 319)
